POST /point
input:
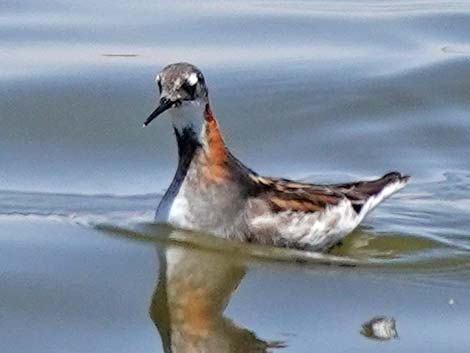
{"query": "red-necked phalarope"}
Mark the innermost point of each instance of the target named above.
(213, 192)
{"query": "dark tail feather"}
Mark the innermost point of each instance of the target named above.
(359, 192)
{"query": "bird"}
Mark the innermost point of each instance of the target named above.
(214, 192)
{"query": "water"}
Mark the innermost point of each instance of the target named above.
(318, 91)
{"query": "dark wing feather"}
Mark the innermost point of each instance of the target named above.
(284, 194)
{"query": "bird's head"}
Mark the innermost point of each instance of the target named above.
(183, 92)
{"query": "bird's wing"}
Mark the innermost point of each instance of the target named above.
(284, 194)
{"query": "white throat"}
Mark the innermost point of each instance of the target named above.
(189, 115)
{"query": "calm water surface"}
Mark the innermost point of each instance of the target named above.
(318, 91)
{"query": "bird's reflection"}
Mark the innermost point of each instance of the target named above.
(193, 290)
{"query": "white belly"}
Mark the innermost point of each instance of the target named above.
(173, 208)
(212, 211)
(317, 231)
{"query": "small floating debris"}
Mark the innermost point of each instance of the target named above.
(451, 301)
(112, 55)
(380, 328)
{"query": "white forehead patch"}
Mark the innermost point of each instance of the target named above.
(192, 79)
(157, 78)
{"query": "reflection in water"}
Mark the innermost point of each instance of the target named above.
(380, 328)
(194, 287)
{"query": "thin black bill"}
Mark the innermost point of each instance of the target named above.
(164, 105)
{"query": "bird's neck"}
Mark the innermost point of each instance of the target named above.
(200, 142)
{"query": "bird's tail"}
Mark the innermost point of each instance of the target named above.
(375, 191)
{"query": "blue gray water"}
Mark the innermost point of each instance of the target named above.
(312, 90)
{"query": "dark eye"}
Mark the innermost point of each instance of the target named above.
(190, 89)
(200, 78)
